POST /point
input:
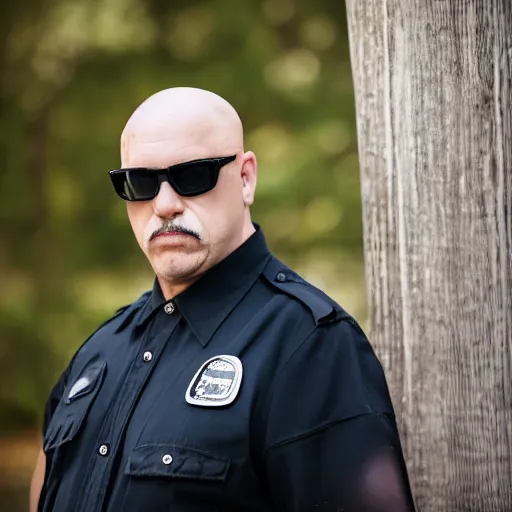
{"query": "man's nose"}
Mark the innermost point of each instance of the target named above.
(167, 202)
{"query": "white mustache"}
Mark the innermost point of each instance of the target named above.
(168, 227)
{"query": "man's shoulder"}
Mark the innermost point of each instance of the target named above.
(93, 347)
(116, 323)
(127, 312)
(285, 281)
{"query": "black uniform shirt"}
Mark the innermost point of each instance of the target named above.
(150, 417)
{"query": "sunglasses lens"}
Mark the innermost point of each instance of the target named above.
(194, 179)
(136, 185)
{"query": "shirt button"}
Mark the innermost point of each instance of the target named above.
(167, 459)
(147, 356)
(281, 277)
(169, 308)
(103, 450)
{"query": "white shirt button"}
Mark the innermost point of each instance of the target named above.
(103, 450)
(281, 277)
(147, 356)
(167, 459)
(169, 308)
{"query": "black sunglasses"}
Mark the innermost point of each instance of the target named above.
(187, 179)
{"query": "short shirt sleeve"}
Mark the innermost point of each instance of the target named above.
(332, 439)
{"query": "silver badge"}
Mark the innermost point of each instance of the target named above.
(78, 386)
(216, 383)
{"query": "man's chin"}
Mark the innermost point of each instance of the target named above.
(178, 266)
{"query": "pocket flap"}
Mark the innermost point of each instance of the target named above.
(74, 406)
(89, 381)
(172, 461)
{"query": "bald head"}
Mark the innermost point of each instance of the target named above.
(185, 235)
(180, 124)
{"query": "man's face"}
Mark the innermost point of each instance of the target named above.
(184, 236)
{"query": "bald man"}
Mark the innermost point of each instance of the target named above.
(233, 385)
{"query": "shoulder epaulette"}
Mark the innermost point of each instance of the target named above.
(323, 308)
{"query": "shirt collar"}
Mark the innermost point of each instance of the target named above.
(207, 302)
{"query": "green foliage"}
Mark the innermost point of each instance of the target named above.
(72, 72)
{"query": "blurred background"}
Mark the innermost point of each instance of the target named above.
(71, 73)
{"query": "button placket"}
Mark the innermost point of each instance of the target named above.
(93, 493)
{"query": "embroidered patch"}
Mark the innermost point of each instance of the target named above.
(78, 386)
(216, 383)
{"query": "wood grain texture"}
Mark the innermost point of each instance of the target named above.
(433, 86)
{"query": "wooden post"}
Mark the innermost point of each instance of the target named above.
(433, 87)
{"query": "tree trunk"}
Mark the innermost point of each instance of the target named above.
(433, 89)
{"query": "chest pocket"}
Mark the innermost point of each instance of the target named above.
(76, 402)
(167, 476)
(171, 461)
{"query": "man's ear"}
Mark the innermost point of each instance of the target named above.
(249, 174)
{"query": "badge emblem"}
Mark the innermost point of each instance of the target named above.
(216, 383)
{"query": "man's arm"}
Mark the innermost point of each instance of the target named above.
(37, 481)
(36, 484)
(355, 465)
(332, 441)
